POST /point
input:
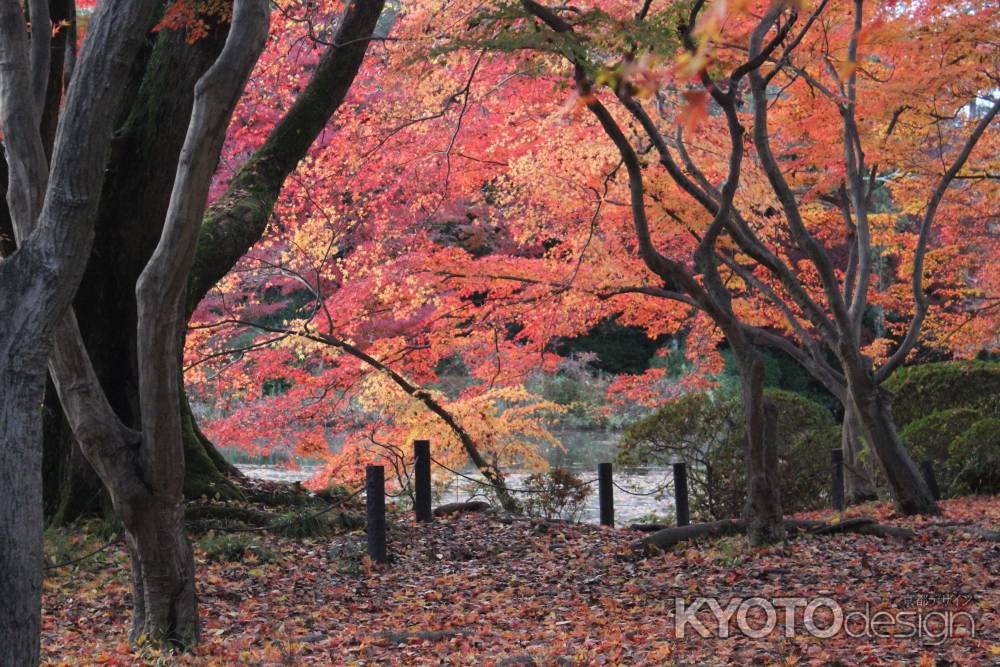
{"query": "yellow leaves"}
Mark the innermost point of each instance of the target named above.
(606, 77)
(688, 65)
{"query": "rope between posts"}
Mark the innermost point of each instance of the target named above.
(658, 490)
(489, 485)
(486, 484)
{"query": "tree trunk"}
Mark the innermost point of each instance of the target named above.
(51, 208)
(909, 490)
(762, 512)
(134, 201)
(145, 475)
(71, 487)
(858, 487)
(21, 392)
(165, 608)
(164, 564)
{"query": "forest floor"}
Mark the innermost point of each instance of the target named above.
(484, 589)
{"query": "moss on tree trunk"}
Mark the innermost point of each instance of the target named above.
(208, 474)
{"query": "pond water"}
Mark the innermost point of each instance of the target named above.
(638, 493)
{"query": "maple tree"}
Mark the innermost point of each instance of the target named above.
(728, 174)
(823, 297)
(537, 284)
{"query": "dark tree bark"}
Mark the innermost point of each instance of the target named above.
(135, 198)
(149, 134)
(858, 486)
(763, 512)
(52, 218)
(162, 561)
(909, 489)
(144, 472)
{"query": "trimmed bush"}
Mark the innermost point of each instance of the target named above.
(921, 390)
(929, 437)
(707, 432)
(974, 458)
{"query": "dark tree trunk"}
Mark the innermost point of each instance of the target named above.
(20, 514)
(858, 486)
(52, 209)
(909, 490)
(145, 474)
(762, 513)
(207, 472)
(72, 488)
(7, 244)
(165, 607)
(163, 562)
(133, 205)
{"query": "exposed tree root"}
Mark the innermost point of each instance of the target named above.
(665, 538)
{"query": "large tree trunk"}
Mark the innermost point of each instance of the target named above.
(909, 490)
(164, 564)
(134, 199)
(762, 514)
(145, 476)
(21, 388)
(72, 488)
(52, 212)
(858, 486)
(165, 607)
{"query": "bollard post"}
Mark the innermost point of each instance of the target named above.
(422, 480)
(375, 504)
(927, 468)
(837, 479)
(681, 494)
(606, 494)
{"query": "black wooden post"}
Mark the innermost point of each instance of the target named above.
(606, 494)
(927, 468)
(375, 503)
(681, 494)
(422, 480)
(837, 487)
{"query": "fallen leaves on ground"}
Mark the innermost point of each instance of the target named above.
(484, 589)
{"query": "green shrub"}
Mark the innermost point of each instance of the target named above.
(555, 494)
(921, 390)
(929, 437)
(707, 432)
(974, 458)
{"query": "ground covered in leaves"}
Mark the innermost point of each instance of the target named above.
(485, 589)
